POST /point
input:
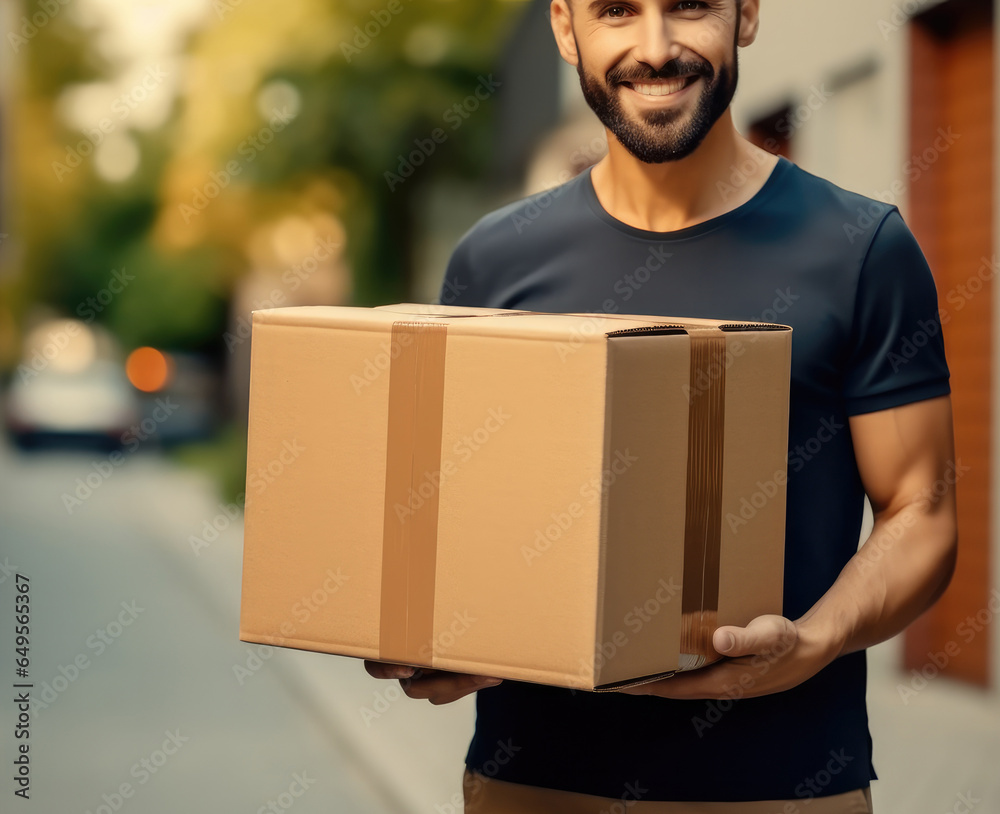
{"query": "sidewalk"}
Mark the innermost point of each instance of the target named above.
(413, 750)
(935, 752)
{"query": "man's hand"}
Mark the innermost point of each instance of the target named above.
(769, 655)
(437, 686)
(906, 459)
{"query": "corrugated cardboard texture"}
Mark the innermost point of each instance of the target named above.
(545, 567)
(640, 623)
(757, 379)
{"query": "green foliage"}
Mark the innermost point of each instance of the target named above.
(375, 80)
(172, 302)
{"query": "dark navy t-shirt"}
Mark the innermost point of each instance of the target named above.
(846, 274)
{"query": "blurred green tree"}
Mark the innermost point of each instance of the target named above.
(342, 107)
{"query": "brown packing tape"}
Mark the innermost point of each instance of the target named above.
(414, 432)
(703, 524)
(413, 446)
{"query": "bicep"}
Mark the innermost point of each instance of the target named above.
(906, 455)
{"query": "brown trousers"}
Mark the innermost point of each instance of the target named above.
(485, 795)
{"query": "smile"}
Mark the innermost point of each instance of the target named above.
(663, 87)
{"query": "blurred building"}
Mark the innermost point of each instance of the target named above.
(895, 99)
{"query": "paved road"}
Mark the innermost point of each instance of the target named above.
(133, 655)
(135, 635)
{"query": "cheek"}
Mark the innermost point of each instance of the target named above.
(603, 49)
(711, 39)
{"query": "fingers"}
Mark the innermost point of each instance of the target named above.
(763, 635)
(436, 686)
(443, 688)
(382, 669)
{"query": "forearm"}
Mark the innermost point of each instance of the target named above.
(900, 571)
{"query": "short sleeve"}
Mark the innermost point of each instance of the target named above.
(897, 347)
(460, 285)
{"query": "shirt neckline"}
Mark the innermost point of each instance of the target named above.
(710, 225)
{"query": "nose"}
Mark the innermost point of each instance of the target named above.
(656, 45)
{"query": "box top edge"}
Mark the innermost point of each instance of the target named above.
(380, 317)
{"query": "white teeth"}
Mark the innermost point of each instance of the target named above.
(659, 88)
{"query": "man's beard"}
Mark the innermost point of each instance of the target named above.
(661, 135)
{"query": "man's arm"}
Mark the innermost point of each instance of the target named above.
(906, 459)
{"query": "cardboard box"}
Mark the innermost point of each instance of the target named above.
(569, 499)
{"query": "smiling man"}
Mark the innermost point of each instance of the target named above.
(780, 724)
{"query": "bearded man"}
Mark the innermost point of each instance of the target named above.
(780, 724)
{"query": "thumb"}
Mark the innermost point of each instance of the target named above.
(763, 635)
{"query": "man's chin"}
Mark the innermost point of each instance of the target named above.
(656, 158)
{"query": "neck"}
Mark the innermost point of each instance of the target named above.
(678, 194)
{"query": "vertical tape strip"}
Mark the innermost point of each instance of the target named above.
(413, 449)
(703, 526)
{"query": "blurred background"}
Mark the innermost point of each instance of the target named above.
(168, 167)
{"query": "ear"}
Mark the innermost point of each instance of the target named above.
(749, 22)
(562, 27)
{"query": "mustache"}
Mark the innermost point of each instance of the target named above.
(676, 67)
